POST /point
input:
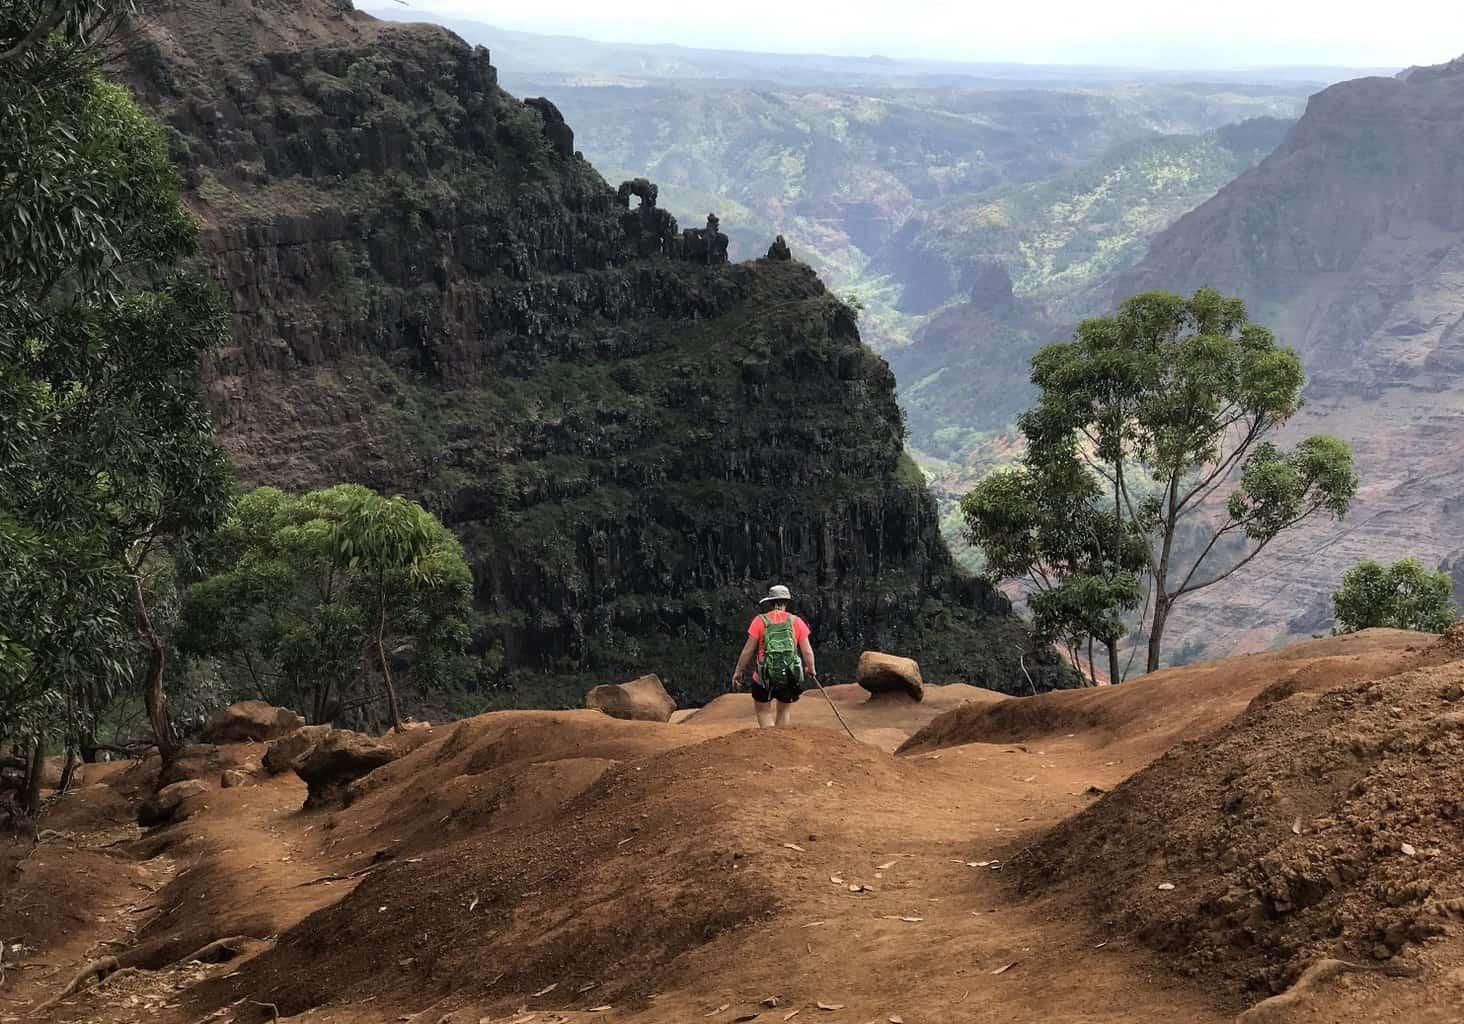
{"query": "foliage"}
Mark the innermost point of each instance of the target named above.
(1403, 595)
(1082, 563)
(310, 595)
(1160, 407)
(107, 462)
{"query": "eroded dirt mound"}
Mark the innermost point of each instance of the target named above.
(1315, 825)
(664, 850)
(1152, 713)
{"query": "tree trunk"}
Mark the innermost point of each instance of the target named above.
(33, 779)
(1115, 672)
(155, 699)
(393, 709)
(1156, 632)
(73, 761)
(1162, 597)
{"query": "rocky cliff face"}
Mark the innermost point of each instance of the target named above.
(435, 295)
(1349, 241)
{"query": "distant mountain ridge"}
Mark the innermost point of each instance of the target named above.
(550, 53)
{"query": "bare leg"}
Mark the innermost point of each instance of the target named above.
(764, 714)
(785, 714)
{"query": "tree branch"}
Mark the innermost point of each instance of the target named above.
(1261, 546)
(1223, 467)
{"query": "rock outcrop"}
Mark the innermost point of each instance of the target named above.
(337, 759)
(1348, 241)
(250, 721)
(288, 753)
(641, 700)
(169, 804)
(889, 673)
(434, 296)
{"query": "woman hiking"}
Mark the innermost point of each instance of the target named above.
(778, 639)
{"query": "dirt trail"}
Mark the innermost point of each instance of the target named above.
(547, 867)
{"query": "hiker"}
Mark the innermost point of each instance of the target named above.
(779, 641)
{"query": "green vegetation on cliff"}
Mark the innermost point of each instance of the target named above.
(434, 296)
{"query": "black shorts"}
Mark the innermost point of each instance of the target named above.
(787, 694)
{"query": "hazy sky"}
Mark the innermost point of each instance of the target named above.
(1148, 33)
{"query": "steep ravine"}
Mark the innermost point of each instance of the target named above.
(436, 295)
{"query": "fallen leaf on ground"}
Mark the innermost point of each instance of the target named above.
(1101, 944)
(586, 988)
(1006, 967)
(1409, 850)
(895, 1018)
(545, 991)
(1166, 886)
(795, 846)
(600, 1009)
(831, 1007)
(473, 905)
(836, 880)
(814, 924)
(888, 864)
(790, 1016)
(1296, 826)
(724, 1007)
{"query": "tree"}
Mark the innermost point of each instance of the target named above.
(1167, 404)
(1043, 524)
(107, 463)
(312, 594)
(1403, 595)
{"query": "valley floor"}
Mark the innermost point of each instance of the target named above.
(542, 867)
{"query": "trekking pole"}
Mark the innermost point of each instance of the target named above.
(832, 708)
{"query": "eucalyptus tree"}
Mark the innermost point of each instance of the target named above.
(1170, 406)
(107, 461)
(309, 596)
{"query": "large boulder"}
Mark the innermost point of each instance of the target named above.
(888, 673)
(195, 761)
(170, 803)
(641, 700)
(288, 753)
(337, 759)
(250, 721)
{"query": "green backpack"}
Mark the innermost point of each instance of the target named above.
(780, 665)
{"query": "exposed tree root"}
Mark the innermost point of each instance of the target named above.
(218, 951)
(109, 967)
(1276, 1009)
(97, 969)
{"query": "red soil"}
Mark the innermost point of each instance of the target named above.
(540, 867)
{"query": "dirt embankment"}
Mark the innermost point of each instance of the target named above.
(1315, 826)
(563, 868)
